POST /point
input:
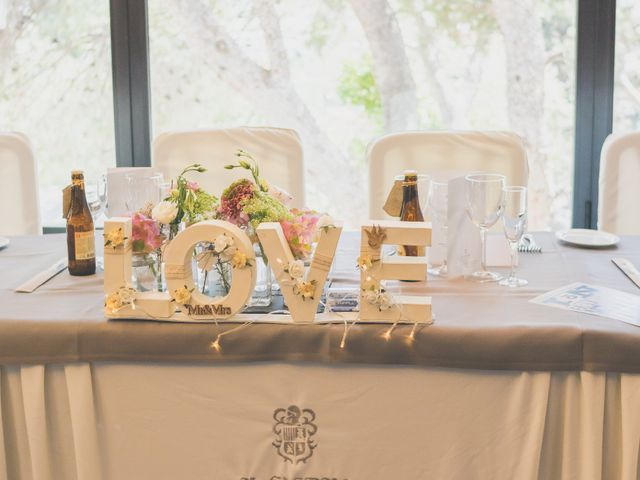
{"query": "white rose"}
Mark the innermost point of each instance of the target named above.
(279, 194)
(164, 212)
(384, 301)
(221, 242)
(371, 297)
(296, 269)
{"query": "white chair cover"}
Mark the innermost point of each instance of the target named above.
(619, 195)
(432, 152)
(278, 152)
(18, 186)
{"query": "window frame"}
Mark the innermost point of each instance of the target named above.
(593, 113)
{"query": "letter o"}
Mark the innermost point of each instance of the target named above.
(178, 260)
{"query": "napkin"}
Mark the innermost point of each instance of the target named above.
(463, 247)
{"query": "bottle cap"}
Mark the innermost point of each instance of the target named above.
(77, 173)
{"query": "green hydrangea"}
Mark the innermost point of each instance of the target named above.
(262, 208)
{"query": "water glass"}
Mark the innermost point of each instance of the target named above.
(143, 190)
(514, 220)
(484, 200)
(438, 208)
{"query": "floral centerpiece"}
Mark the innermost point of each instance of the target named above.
(146, 240)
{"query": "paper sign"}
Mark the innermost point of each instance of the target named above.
(593, 300)
(393, 205)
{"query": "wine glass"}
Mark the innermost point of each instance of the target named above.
(484, 197)
(437, 205)
(97, 197)
(514, 220)
(143, 190)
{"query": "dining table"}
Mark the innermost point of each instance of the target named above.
(497, 387)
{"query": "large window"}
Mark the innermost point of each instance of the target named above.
(626, 108)
(344, 72)
(55, 86)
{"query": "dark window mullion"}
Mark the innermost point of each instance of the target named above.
(130, 64)
(594, 103)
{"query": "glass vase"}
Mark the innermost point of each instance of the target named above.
(145, 272)
(262, 293)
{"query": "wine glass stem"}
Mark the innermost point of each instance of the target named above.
(514, 259)
(483, 248)
(445, 240)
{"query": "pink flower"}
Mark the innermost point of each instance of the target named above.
(300, 232)
(145, 234)
(193, 186)
(232, 201)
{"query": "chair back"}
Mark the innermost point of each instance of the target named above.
(277, 150)
(442, 154)
(619, 195)
(18, 186)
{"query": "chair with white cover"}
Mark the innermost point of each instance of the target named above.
(619, 196)
(18, 186)
(447, 153)
(278, 152)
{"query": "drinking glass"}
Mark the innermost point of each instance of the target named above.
(514, 220)
(437, 205)
(97, 197)
(143, 190)
(484, 198)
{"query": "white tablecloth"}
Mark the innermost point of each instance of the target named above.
(195, 421)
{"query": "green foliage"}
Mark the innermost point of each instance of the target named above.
(358, 87)
(193, 203)
(262, 207)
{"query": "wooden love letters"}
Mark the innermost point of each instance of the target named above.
(301, 286)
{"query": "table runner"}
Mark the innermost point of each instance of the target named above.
(477, 326)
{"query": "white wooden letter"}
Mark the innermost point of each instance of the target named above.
(385, 308)
(178, 259)
(302, 294)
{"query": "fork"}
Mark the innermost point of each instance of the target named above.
(528, 244)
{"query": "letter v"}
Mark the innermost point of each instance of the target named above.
(280, 257)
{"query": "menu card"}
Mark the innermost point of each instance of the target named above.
(594, 300)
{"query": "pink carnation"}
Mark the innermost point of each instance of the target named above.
(145, 234)
(300, 232)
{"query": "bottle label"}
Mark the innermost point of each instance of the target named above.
(85, 245)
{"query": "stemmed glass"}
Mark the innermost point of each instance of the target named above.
(484, 198)
(437, 204)
(514, 220)
(143, 190)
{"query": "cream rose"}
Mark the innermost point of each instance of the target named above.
(371, 297)
(296, 269)
(164, 212)
(239, 260)
(221, 242)
(182, 295)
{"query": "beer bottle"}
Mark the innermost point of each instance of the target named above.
(80, 232)
(410, 211)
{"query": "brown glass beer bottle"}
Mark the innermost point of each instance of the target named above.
(80, 231)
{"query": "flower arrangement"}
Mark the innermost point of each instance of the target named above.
(186, 202)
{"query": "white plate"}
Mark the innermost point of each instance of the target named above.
(588, 238)
(4, 242)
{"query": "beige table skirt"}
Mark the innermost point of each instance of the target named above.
(138, 421)
(477, 326)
